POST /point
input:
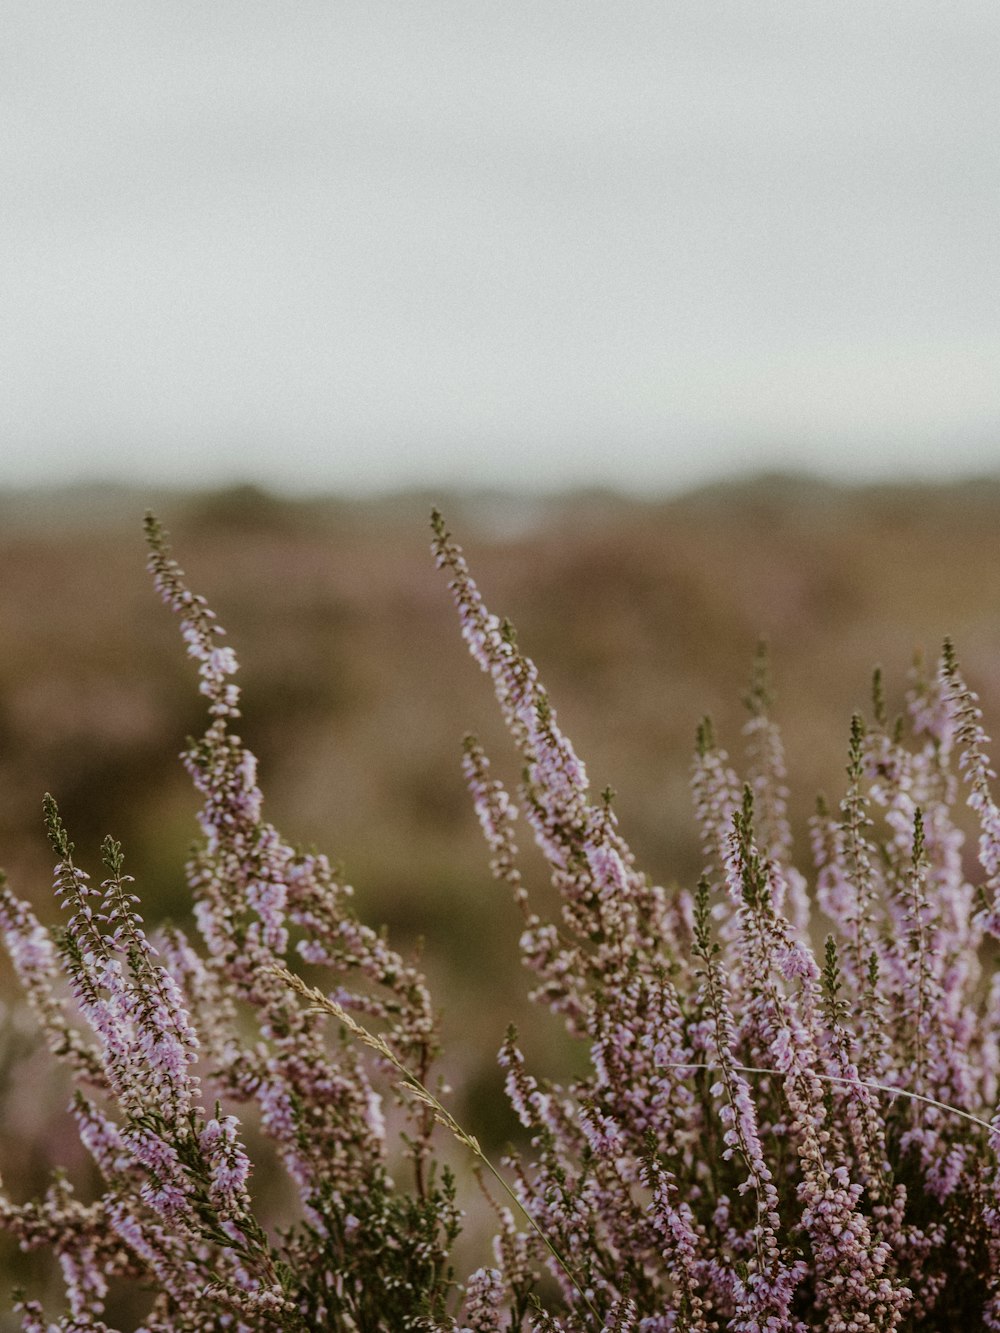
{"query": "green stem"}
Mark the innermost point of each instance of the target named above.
(850, 1083)
(323, 1004)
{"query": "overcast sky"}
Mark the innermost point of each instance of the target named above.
(360, 245)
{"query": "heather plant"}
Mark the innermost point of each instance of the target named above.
(789, 1116)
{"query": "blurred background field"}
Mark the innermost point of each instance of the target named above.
(357, 687)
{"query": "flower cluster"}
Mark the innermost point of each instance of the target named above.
(170, 1023)
(776, 1131)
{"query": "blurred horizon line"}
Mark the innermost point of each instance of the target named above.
(94, 500)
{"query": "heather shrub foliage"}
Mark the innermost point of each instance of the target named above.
(775, 1133)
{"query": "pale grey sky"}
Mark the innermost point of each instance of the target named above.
(356, 245)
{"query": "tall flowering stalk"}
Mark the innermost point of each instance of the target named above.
(761, 1141)
(177, 1211)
